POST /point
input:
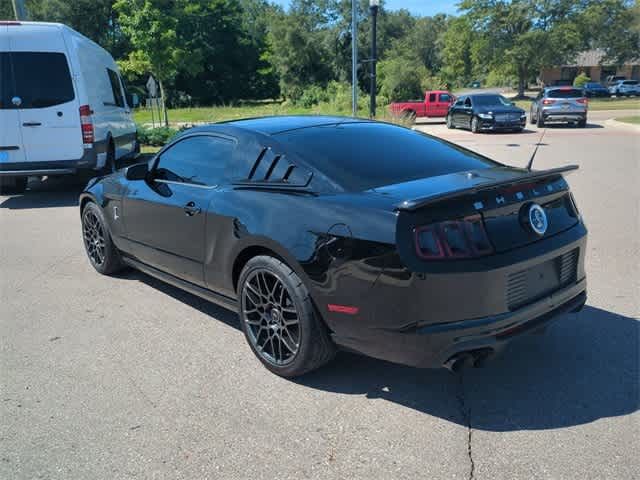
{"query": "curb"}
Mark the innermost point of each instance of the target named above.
(628, 126)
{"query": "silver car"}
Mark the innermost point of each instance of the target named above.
(559, 104)
(625, 88)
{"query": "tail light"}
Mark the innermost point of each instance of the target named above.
(464, 238)
(548, 101)
(583, 101)
(86, 123)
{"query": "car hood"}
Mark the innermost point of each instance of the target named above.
(499, 109)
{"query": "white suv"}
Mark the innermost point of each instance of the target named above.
(63, 105)
(625, 88)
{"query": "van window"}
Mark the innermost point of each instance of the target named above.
(118, 99)
(41, 79)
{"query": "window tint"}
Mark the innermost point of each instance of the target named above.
(630, 82)
(491, 100)
(118, 99)
(564, 93)
(41, 79)
(361, 156)
(445, 97)
(432, 97)
(5, 81)
(459, 102)
(200, 160)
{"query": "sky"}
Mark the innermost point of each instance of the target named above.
(417, 7)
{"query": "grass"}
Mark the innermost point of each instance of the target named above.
(635, 120)
(596, 104)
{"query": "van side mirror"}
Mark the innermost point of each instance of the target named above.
(139, 171)
(133, 100)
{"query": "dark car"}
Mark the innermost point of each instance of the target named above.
(594, 89)
(486, 112)
(328, 232)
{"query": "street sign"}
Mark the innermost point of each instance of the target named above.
(152, 87)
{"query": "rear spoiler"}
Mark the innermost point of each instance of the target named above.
(527, 176)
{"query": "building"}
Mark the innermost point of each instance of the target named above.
(589, 62)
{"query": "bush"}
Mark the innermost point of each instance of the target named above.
(581, 80)
(156, 137)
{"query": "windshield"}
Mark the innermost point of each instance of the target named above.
(361, 156)
(491, 100)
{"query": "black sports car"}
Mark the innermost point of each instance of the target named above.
(485, 112)
(331, 233)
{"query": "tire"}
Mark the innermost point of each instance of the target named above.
(450, 125)
(102, 253)
(539, 120)
(582, 123)
(279, 320)
(474, 125)
(532, 120)
(110, 162)
(409, 116)
(13, 185)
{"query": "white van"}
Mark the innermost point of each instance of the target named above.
(63, 105)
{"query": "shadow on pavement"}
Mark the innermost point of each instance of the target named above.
(51, 192)
(585, 367)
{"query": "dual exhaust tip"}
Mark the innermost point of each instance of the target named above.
(471, 358)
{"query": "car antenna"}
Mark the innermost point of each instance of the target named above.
(530, 164)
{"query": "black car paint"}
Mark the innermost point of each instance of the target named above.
(462, 116)
(347, 247)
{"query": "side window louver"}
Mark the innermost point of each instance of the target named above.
(271, 169)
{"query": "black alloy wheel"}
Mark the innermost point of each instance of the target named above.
(103, 254)
(279, 320)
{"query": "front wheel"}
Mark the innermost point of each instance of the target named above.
(279, 320)
(13, 185)
(103, 254)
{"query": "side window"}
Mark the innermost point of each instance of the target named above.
(445, 97)
(467, 102)
(199, 160)
(42, 79)
(5, 81)
(118, 99)
(432, 97)
(460, 102)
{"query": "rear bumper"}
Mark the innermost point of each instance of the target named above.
(52, 167)
(560, 116)
(434, 346)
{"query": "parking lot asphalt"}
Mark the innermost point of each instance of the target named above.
(126, 377)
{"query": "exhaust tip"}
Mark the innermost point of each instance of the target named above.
(472, 358)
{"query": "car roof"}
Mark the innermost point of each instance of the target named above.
(278, 124)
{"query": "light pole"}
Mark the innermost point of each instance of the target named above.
(19, 10)
(354, 57)
(373, 8)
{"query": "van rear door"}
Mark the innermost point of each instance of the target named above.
(49, 109)
(11, 146)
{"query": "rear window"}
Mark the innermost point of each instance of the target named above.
(361, 156)
(630, 82)
(41, 79)
(565, 93)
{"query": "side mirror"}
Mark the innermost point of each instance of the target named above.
(139, 171)
(133, 100)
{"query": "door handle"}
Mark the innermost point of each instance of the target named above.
(190, 209)
(31, 124)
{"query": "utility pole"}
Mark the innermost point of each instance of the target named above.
(354, 57)
(19, 9)
(373, 8)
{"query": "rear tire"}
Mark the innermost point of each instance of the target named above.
(409, 116)
(539, 120)
(110, 162)
(532, 119)
(475, 127)
(278, 319)
(450, 125)
(13, 185)
(103, 254)
(582, 123)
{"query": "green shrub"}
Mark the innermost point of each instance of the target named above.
(581, 80)
(156, 137)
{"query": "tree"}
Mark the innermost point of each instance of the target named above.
(457, 52)
(152, 28)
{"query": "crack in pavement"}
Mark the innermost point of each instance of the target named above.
(466, 415)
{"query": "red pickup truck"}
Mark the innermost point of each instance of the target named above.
(435, 104)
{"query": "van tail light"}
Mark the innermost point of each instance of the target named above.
(583, 101)
(86, 123)
(451, 240)
(548, 101)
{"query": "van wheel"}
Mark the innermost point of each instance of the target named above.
(13, 185)
(110, 162)
(279, 320)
